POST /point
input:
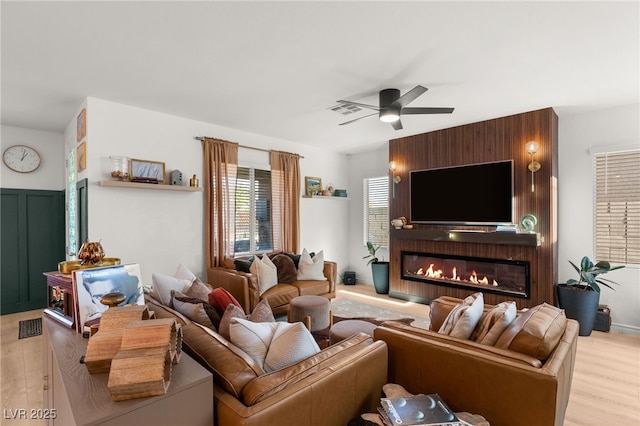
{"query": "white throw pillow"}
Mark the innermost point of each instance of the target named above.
(494, 322)
(273, 345)
(163, 284)
(311, 269)
(266, 272)
(462, 319)
(183, 273)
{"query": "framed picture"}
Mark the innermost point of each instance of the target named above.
(312, 185)
(147, 171)
(81, 156)
(82, 124)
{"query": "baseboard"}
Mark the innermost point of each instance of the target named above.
(625, 329)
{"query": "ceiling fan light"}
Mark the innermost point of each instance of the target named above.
(389, 115)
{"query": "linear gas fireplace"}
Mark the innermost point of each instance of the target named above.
(506, 277)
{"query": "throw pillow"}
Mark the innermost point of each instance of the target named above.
(243, 265)
(230, 313)
(220, 298)
(273, 345)
(290, 343)
(535, 332)
(196, 310)
(163, 284)
(493, 323)
(287, 272)
(199, 290)
(262, 312)
(183, 273)
(266, 272)
(311, 269)
(462, 319)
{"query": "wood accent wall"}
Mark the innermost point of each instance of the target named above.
(492, 140)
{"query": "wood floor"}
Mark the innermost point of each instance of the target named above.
(605, 389)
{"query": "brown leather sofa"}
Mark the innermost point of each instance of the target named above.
(244, 287)
(507, 387)
(329, 388)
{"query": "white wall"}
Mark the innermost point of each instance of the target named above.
(50, 174)
(578, 134)
(361, 166)
(161, 229)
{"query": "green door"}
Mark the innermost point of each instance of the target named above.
(32, 235)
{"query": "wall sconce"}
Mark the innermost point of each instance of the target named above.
(534, 166)
(396, 179)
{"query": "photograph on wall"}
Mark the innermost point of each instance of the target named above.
(92, 284)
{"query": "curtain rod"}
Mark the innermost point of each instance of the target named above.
(244, 146)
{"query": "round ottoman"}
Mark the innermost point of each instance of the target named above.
(343, 329)
(311, 310)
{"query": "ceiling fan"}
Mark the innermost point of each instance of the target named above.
(392, 106)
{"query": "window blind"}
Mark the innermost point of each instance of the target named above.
(617, 206)
(253, 211)
(376, 211)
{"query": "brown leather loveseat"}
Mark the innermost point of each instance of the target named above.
(328, 388)
(245, 288)
(525, 384)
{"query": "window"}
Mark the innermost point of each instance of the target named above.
(253, 211)
(617, 206)
(376, 211)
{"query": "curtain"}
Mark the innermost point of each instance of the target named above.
(220, 171)
(285, 181)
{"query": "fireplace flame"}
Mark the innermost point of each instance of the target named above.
(433, 274)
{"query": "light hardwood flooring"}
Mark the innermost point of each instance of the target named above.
(605, 389)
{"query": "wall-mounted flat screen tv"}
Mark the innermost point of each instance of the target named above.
(475, 194)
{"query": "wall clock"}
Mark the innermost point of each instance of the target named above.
(21, 158)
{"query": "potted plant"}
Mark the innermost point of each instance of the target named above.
(580, 298)
(379, 269)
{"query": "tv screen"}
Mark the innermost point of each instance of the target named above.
(476, 194)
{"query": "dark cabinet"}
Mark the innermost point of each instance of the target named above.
(32, 231)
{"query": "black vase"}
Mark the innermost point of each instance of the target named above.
(579, 304)
(380, 271)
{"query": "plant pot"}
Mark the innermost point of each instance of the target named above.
(579, 304)
(380, 271)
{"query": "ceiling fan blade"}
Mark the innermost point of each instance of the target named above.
(359, 118)
(428, 110)
(410, 96)
(373, 107)
(396, 125)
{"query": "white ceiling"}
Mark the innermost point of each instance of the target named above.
(275, 68)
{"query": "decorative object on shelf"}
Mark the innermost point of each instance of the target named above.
(379, 270)
(528, 223)
(81, 125)
(91, 253)
(330, 188)
(113, 299)
(175, 177)
(407, 226)
(534, 166)
(81, 156)
(147, 171)
(193, 182)
(312, 185)
(399, 222)
(339, 192)
(580, 298)
(69, 266)
(119, 167)
(21, 158)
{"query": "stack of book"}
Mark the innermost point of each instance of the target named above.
(418, 410)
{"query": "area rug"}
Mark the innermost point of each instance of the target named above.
(30, 328)
(345, 308)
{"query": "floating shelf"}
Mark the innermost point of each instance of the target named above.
(326, 197)
(137, 185)
(508, 238)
